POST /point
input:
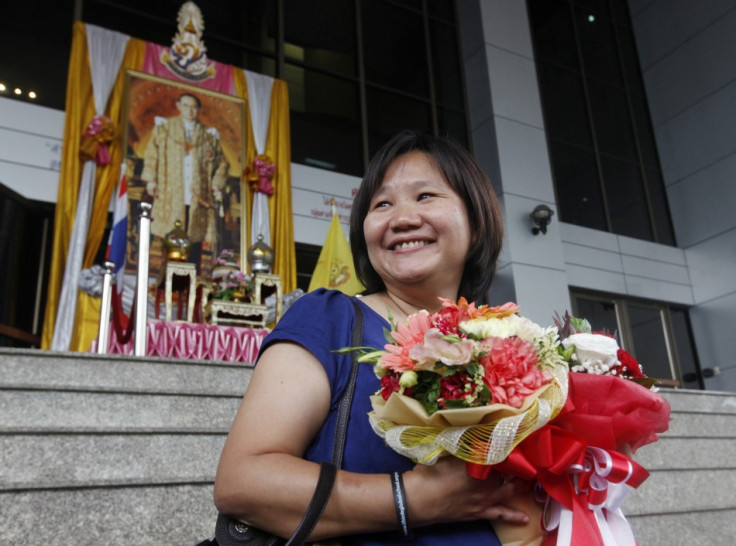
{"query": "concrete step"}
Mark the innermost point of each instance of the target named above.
(118, 450)
(32, 369)
(681, 453)
(175, 515)
(691, 401)
(680, 491)
(31, 411)
(57, 461)
(709, 528)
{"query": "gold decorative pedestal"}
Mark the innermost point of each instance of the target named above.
(247, 314)
(272, 284)
(179, 276)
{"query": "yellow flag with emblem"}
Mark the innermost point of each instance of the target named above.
(334, 269)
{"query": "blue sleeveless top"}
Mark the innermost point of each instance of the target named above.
(321, 322)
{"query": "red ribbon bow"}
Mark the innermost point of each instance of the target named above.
(96, 140)
(575, 459)
(264, 171)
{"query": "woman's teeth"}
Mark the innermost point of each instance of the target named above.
(410, 244)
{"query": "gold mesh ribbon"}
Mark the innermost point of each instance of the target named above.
(484, 435)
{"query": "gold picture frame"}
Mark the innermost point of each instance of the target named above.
(155, 131)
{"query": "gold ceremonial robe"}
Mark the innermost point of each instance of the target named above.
(164, 165)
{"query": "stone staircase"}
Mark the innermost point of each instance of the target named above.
(111, 450)
(119, 451)
(690, 497)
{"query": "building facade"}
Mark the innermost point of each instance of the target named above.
(479, 70)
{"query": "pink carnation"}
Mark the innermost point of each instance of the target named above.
(436, 349)
(406, 336)
(511, 370)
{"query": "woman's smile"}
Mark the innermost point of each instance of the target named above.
(417, 228)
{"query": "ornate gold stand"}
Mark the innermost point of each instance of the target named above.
(248, 314)
(272, 283)
(177, 272)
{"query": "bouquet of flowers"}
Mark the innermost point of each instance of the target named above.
(469, 381)
(228, 282)
(493, 388)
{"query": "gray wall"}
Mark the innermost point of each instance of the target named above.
(508, 139)
(687, 51)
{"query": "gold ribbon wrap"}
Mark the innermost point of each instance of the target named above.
(483, 435)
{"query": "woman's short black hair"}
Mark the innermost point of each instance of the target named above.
(468, 181)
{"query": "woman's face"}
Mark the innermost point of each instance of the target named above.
(417, 229)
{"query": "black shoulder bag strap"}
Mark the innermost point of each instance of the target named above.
(328, 471)
(230, 531)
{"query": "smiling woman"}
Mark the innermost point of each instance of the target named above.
(416, 231)
(426, 224)
(447, 162)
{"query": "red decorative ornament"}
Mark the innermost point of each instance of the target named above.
(96, 139)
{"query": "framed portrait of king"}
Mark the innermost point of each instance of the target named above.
(185, 153)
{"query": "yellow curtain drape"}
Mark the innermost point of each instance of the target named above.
(278, 148)
(79, 111)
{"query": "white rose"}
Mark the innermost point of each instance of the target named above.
(528, 330)
(482, 328)
(593, 350)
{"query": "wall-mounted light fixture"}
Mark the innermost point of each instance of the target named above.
(541, 216)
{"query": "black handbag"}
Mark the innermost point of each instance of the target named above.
(232, 532)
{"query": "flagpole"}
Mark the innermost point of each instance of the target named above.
(141, 303)
(103, 335)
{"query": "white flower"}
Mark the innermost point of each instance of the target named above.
(528, 330)
(595, 353)
(483, 328)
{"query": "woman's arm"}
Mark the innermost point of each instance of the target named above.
(262, 478)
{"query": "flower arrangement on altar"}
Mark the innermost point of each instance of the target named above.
(557, 406)
(228, 282)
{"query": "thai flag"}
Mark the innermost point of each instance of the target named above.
(118, 235)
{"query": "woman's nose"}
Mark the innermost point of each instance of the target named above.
(405, 216)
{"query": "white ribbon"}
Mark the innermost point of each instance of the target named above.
(613, 527)
(259, 103)
(106, 49)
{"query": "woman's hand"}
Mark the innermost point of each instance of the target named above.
(444, 492)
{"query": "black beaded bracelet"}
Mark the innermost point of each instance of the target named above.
(402, 510)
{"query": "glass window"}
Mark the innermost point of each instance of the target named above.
(554, 36)
(450, 122)
(325, 121)
(442, 9)
(39, 63)
(389, 113)
(658, 202)
(445, 53)
(26, 233)
(581, 202)
(597, 45)
(321, 34)
(603, 97)
(314, 46)
(649, 342)
(657, 335)
(611, 122)
(394, 48)
(627, 206)
(601, 313)
(306, 260)
(571, 123)
(687, 357)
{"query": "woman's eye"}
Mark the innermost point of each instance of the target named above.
(381, 204)
(424, 195)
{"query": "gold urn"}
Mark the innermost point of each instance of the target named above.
(177, 244)
(260, 256)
